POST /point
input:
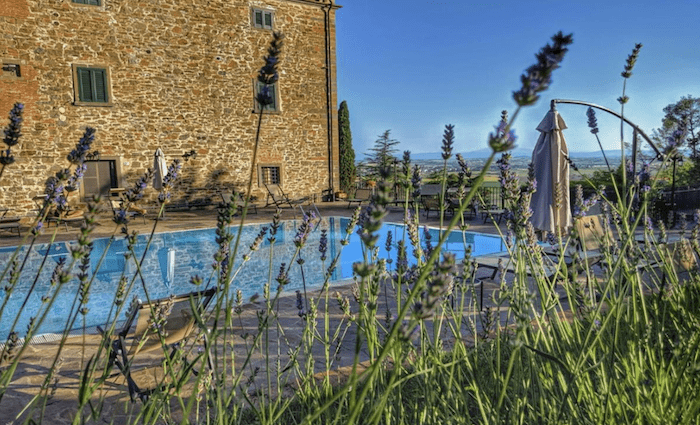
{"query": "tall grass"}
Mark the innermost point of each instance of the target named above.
(615, 342)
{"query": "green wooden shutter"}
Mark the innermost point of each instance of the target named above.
(84, 85)
(258, 18)
(100, 82)
(268, 20)
(273, 94)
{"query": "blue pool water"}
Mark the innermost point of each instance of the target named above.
(175, 257)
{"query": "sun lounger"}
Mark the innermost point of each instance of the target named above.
(503, 261)
(118, 206)
(145, 331)
(277, 197)
(361, 195)
(227, 198)
(10, 224)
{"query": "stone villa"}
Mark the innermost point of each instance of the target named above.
(172, 74)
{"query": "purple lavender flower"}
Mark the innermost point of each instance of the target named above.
(401, 259)
(323, 244)
(135, 192)
(274, 226)
(304, 230)
(631, 60)
(268, 73)
(465, 173)
(448, 140)
(416, 181)
(120, 217)
(538, 77)
(37, 229)
(258, 239)
(12, 132)
(300, 303)
(427, 239)
(372, 223)
(406, 164)
(503, 139)
(675, 139)
(169, 181)
(592, 120)
(77, 155)
(282, 277)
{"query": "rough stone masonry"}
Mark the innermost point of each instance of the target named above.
(180, 76)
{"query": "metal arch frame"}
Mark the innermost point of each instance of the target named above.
(659, 155)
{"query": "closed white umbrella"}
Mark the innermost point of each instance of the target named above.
(550, 203)
(161, 169)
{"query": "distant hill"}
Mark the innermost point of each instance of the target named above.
(484, 153)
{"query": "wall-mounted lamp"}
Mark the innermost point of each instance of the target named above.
(191, 154)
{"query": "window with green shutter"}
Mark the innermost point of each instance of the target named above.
(272, 92)
(91, 85)
(90, 2)
(262, 19)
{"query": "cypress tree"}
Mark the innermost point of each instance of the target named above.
(347, 153)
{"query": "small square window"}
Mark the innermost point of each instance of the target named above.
(91, 85)
(273, 93)
(90, 2)
(270, 175)
(262, 19)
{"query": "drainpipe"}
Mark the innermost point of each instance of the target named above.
(329, 97)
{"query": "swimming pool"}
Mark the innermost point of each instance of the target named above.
(175, 257)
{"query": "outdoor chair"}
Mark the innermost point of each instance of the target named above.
(432, 203)
(669, 257)
(504, 262)
(159, 325)
(10, 224)
(277, 197)
(118, 206)
(592, 238)
(401, 197)
(684, 259)
(361, 195)
(471, 211)
(66, 217)
(228, 198)
(493, 213)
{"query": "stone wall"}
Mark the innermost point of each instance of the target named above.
(181, 78)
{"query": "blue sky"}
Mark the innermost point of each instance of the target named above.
(413, 66)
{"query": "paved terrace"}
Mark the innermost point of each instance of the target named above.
(206, 218)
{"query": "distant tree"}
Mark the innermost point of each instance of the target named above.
(683, 114)
(382, 154)
(346, 151)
